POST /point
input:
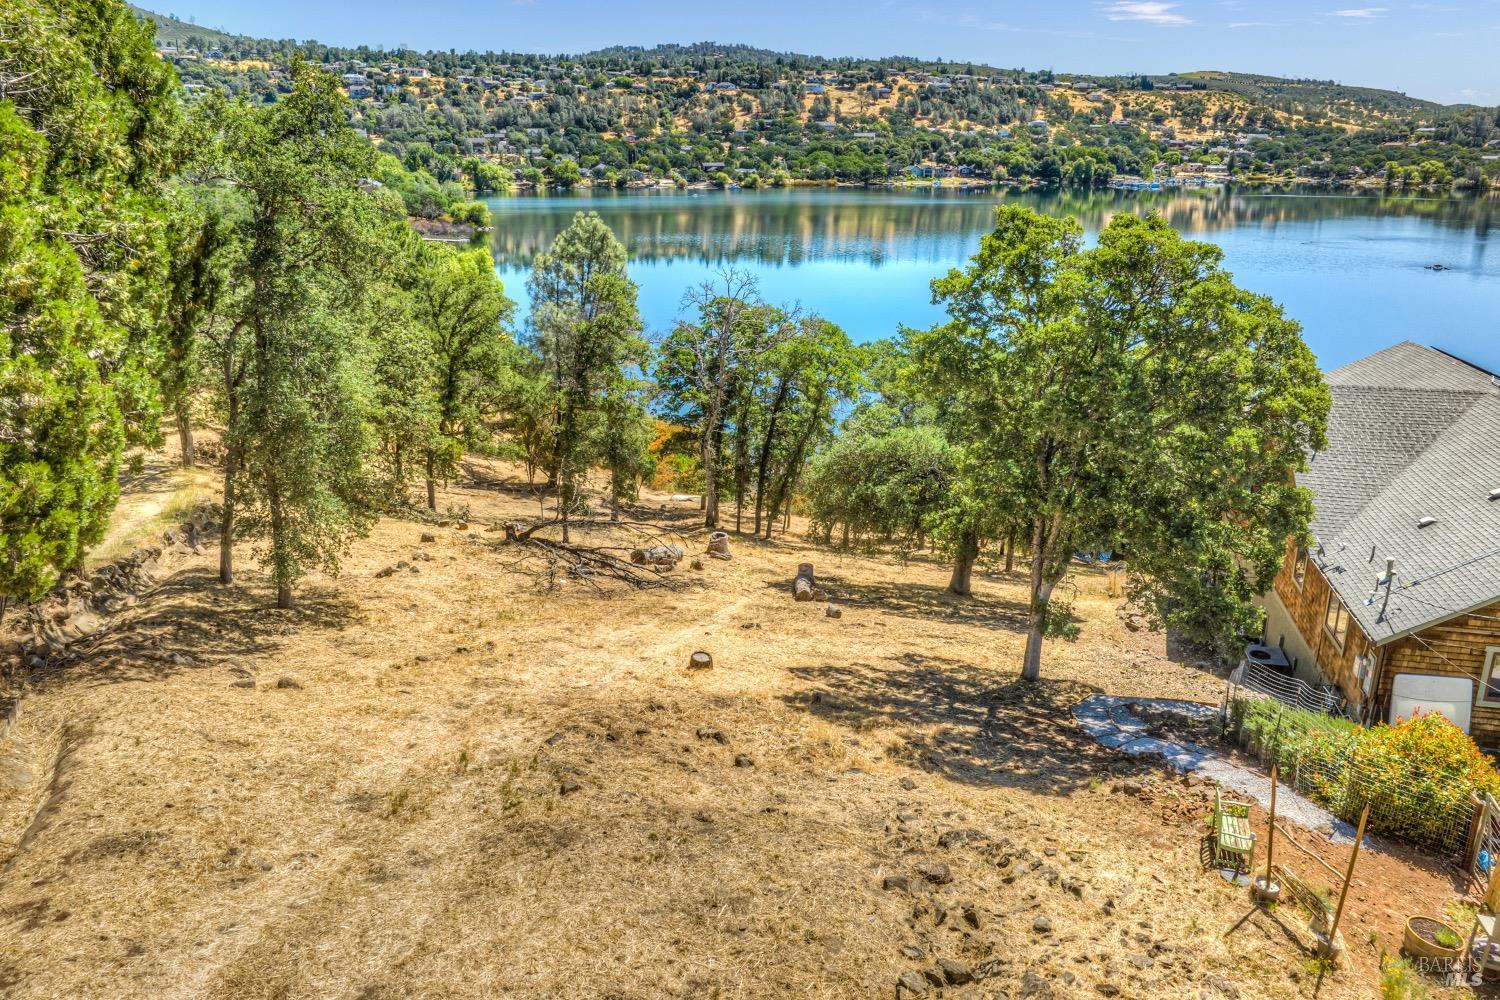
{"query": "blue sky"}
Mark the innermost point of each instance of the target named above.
(1443, 50)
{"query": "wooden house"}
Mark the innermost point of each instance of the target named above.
(1396, 602)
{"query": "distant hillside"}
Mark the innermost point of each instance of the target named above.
(671, 54)
(741, 115)
(171, 31)
(1308, 95)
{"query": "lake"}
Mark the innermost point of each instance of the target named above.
(1354, 270)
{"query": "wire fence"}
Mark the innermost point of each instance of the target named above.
(1287, 690)
(1316, 755)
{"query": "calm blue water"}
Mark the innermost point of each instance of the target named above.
(1352, 269)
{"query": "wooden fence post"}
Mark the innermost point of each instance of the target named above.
(1478, 808)
(1338, 912)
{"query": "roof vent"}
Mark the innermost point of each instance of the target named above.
(1495, 493)
(1427, 522)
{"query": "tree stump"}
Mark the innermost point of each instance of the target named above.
(802, 587)
(700, 661)
(657, 556)
(718, 545)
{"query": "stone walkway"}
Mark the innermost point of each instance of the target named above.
(1109, 720)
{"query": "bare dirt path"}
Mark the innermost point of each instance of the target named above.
(471, 786)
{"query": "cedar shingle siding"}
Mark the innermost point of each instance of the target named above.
(1414, 434)
(1457, 647)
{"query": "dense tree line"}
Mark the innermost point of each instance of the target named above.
(627, 115)
(249, 267)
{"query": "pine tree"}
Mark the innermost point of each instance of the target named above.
(88, 122)
(588, 330)
(296, 388)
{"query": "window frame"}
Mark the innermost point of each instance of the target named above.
(1487, 669)
(1299, 569)
(1343, 613)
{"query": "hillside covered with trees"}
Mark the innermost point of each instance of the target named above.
(731, 114)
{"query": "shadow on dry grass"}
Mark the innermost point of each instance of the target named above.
(192, 622)
(923, 601)
(962, 726)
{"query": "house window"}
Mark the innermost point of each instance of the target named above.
(1299, 568)
(1336, 620)
(1489, 690)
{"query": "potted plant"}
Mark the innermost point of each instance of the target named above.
(1429, 937)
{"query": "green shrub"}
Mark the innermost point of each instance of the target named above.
(1417, 775)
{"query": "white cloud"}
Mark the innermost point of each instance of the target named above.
(1151, 11)
(1360, 12)
(1250, 24)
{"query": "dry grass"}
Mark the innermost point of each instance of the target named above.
(396, 826)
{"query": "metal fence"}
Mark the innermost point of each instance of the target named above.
(1436, 817)
(1287, 690)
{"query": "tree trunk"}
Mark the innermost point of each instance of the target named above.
(185, 437)
(707, 458)
(431, 484)
(741, 461)
(763, 460)
(278, 543)
(802, 585)
(1031, 663)
(963, 563)
(1010, 550)
(1043, 542)
(226, 528)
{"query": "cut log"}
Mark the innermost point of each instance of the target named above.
(659, 556)
(700, 661)
(718, 545)
(802, 586)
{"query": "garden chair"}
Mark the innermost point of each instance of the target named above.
(1234, 841)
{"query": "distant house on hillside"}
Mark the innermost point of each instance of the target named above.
(1396, 603)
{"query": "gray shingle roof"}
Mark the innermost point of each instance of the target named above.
(1413, 433)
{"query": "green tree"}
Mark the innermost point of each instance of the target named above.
(807, 376)
(587, 331)
(295, 386)
(707, 362)
(565, 174)
(623, 442)
(880, 477)
(403, 372)
(1127, 396)
(463, 307)
(88, 136)
(487, 177)
(198, 238)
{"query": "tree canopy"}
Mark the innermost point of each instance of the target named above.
(1130, 397)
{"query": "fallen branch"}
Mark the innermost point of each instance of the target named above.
(593, 563)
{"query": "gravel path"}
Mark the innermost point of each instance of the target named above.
(1109, 720)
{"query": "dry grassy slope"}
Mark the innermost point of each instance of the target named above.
(395, 825)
